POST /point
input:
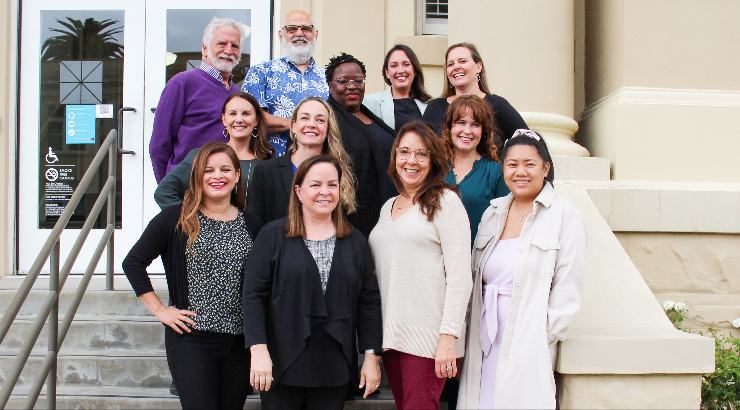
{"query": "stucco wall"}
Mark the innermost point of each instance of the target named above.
(535, 71)
(699, 269)
(8, 103)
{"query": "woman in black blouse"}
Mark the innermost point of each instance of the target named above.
(311, 299)
(204, 244)
(467, 75)
(367, 139)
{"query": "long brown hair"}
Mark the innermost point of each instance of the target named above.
(417, 91)
(432, 187)
(332, 146)
(188, 221)
(483, 115)
(258, 143)
(448, 90)
(295, 225)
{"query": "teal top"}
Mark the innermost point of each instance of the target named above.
(483, 183)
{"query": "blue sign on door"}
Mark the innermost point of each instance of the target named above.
(80, 124)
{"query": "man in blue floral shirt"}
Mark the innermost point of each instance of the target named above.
(279, 85)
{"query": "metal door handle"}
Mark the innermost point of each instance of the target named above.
(120, 130)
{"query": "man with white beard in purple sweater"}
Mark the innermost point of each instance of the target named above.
(189, 110)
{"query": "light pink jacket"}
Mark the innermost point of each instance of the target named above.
(547, 292)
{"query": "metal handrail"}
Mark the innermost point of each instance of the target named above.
(49, 311)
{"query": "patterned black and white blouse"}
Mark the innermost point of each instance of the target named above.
(215, 266)
(322, 252)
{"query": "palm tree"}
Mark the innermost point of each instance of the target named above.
(83, 41)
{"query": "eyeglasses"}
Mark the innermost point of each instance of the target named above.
(421, 155)
(305, 28)
(358, 82)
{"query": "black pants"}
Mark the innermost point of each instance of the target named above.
(211, 370)
(281, 397)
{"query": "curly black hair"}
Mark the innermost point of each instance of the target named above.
(342, 58)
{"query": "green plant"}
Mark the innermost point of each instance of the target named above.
(719, 390)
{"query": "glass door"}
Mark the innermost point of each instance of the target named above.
(81, 62)
(174, 44)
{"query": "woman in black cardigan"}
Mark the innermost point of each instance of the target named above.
(311, 299)
(313, 131)
(367, 139)
(204, 244)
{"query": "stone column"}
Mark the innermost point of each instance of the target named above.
(528, 51)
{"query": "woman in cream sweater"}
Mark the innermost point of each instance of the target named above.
(422, 258)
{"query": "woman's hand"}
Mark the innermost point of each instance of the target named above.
(370, 374)
(260, 372)
(175, 318)
(445, 362)
(169, 315)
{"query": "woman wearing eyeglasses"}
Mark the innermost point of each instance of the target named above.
(528, 267)
(467, 75)
(406, 99)
(421, 248)
(367, 139)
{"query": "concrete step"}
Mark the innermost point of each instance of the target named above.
(707, 309)
(96, 301)
(79, 397)
(129, 368)
(95, 332)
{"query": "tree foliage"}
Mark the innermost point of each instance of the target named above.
(90, 40)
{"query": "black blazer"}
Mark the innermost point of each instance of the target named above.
(162, 237)
(368, 163)
(269, 192)
(283, 299)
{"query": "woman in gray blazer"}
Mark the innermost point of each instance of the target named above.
(407, 98)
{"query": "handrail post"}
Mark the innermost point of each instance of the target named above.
(53, 328)
(111, 219)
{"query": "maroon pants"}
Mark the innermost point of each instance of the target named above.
(413, 381)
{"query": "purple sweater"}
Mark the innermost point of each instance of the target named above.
(188, 116)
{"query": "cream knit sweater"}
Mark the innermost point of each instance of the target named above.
(424, 273)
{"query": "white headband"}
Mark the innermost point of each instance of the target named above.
(523, 132)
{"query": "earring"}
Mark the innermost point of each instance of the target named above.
(451, 85)
(226, 133)
(478, 76)
(236, 188)
(255, 132)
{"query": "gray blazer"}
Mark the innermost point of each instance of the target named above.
(381, 104)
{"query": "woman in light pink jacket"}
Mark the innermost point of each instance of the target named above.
(528, 267)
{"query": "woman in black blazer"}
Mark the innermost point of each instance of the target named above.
(367, 139)
(311, 299)
(313, 131)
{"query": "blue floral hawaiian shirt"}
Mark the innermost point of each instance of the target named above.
(279, 86)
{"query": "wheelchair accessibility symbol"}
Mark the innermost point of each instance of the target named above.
(51, 157)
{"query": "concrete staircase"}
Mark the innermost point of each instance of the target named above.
(113, 356)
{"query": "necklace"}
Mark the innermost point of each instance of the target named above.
(404, 207)
(224, 218)
(520, 213)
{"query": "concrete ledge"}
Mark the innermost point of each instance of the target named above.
(621, 328)
(635, 351)
(581, 168)
(635, 206)
(605, 391)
